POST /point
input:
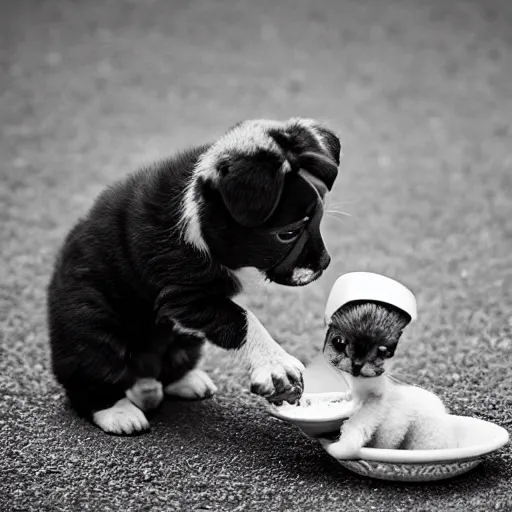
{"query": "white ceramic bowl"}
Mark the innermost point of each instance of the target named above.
(372, 287)
(476, 438)
(315, 420)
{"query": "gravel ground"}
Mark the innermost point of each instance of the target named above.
(420, 92)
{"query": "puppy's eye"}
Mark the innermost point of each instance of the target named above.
(287, 237)
(384, 351)
(339, 343)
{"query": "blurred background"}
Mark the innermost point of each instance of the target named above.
(421, 95)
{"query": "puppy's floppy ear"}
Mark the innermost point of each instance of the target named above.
(252, 186)
(319, 166)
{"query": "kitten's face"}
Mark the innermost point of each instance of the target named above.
(362, 339)
(359, 356)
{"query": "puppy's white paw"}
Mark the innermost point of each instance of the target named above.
(274, 374)
(341, 449)
(195, 385)
(122, 418)
(146, 394)
(278, 379)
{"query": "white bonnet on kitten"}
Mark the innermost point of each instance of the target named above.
(367, 286)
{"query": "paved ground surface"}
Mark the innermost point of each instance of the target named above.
(421, 93)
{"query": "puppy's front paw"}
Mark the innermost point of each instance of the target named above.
(146, 394)
(122, 418)
(195, 385)
(279, 379)
(341, 449)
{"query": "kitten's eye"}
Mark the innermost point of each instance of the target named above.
(338, 343)
(384, 351)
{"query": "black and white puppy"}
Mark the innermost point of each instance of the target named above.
(150, 273)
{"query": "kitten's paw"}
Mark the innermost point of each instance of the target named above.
(195, 385)
(146, 394)
(340, 449)
(122, 418)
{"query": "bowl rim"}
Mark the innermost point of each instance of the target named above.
(274, 411)
(444, 455)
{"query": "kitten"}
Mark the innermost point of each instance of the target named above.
(361, 338)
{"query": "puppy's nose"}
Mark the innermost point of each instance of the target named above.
(325, 261)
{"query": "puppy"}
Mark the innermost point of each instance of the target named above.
(150, 273)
